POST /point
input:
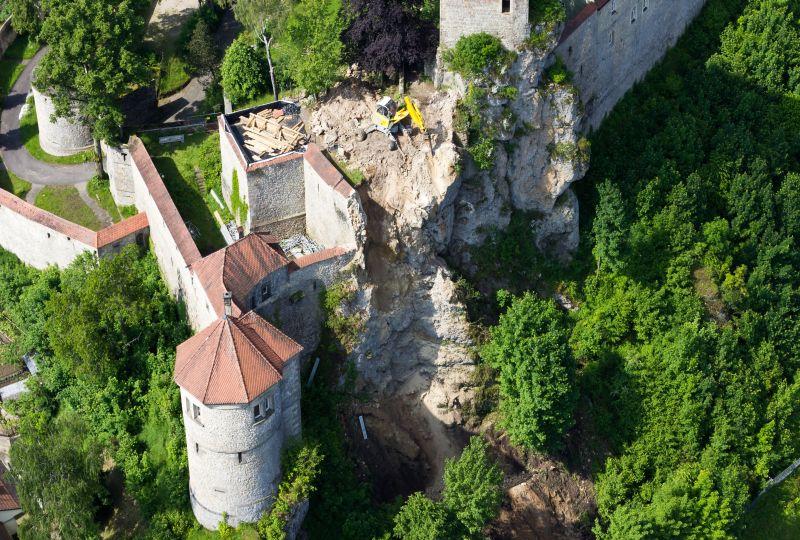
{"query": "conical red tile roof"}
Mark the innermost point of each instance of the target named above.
(233, 361)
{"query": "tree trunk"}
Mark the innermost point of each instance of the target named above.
(98, 149)
(268, 46)
(401, 79)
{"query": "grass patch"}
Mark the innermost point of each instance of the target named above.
(13, 183)
(65, 201)
(100, 191)
(23, 48)
(176, 163)
(777, 512)
(354, 176)
(29, 132)
(245, 531)
(174, 74)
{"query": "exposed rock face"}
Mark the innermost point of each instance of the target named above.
(427, 200)
(534, 171)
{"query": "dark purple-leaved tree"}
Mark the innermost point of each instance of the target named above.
(386, 36)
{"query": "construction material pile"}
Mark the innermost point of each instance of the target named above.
(271, 132)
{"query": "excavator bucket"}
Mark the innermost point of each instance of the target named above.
(416, 116)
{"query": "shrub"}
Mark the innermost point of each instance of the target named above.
(243, 71)
(478, 54)
(558, 73)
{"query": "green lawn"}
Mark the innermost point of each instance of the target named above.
(23, 48)
(777, 514)
(174, 74)
(13, 183)
(29, 132)
(352, 175)
(243, 532)
(99, 190)
(176, 163)
(65, 201)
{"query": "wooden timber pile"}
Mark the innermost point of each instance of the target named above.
(270, 133)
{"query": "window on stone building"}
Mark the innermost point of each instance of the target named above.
(633, 14)
(195, 412)
(196, 448)
(240, 457)
(505, 6)
(645, 5)
(611, 37)
(263, 410)
(613, 6)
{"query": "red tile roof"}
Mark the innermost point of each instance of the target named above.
(233, 361)
(164, 203)
(45, 218)
(8, 495)
(327, 171)
(238, 268)
(120, 230)
(319, 256)
(274, 161)
(580, 18)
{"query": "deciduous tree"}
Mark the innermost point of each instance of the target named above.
(536, 372)
(243, 71)
(94, 58)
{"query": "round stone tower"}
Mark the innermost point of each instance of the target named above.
(62, 136)
(240, 393)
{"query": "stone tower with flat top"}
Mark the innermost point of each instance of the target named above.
(504, 19)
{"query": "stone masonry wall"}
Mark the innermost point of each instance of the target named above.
(40, 242)
(328, 201)
(275, 194)
(464, 17)
(117, 164)
(219, 479)
(172, 244)
(61, 137)
(611, 45)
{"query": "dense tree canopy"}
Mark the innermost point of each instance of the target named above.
(385, 36)
(94, 58)
(57, 468)
(244, 71)
(529, 350)
(313, 43)
(689, 328)
(104, 333)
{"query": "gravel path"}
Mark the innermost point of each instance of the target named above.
(16, 158)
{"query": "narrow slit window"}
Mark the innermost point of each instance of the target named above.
(506, 6)
(240, 457)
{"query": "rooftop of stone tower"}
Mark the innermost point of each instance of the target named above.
(234, 360)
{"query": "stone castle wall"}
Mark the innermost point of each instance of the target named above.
(173, 246)
(234, 463)
(39, 238)
(275, 195)
(117, 163)
(464, 17)
(63, 136)
(611, 45)
(329, 201)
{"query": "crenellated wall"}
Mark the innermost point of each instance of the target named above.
(610, 45)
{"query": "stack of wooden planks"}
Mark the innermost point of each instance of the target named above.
(266, 135)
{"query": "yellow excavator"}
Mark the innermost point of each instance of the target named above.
(388, 118)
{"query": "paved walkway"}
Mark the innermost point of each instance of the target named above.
(16, 157)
